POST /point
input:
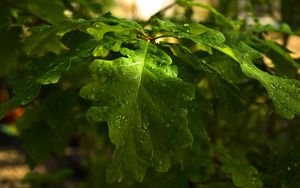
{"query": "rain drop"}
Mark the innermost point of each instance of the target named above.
(183, 111)
(273, 86)
(163, 165)
(167, 125)
(145, 125)
(92, 96)
(296, 164)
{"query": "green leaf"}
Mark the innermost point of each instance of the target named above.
(48, 70)
(283, 28)
(101, 29)
(25, 95)
(200, 110)
(285, 65)
(9, 49)
(145, 106)
(42, 127)
(50, 11)
(243, 174)
(285, 93)
(46, 39)
(227, 92)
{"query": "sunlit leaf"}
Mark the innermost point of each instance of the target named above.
(145, 106)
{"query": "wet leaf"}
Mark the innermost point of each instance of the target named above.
(145, 105)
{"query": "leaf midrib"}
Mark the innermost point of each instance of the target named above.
(143, 59)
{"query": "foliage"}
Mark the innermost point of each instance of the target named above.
(158, 104)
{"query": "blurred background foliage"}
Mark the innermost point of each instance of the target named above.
(268, 141)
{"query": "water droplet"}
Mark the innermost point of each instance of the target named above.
(184, 111)
(296, 164)
(180, 36)
(253, 180)
(273, 86)
(163, 165)
(167, 125)
(288, 168)
(145, 125)
(92, 96)
(187, 97)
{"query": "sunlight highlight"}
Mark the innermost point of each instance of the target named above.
(146, 8)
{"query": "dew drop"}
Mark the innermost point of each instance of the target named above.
(167, 125)
(180, 36)
(92, 96)
(163, 165)
(145, 125)
(183, 111)
(296, 164)
(273, 86)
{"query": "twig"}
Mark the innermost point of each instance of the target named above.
(163, 10)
